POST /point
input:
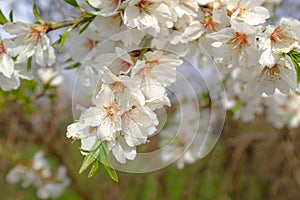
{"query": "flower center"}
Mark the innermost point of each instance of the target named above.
(144, 5)
(152, 63)
(2, 49)
(209, 25)
(240, 40)
(90, 43)
(35, 34)
(145, 71)
(112, 109)
(272, 72)
(277, 35)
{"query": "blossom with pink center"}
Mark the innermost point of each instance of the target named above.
(148, 14)
(31, 41)
(248, 11)
(235, 46)
(276, 40)
(281, 75)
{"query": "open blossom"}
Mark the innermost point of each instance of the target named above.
(248, 11)
(99, 121)
(205, 23)
(156, 69)
(107, 7)
(155, 73)
(266, 79)
(143, 14)
(125, 89)
(276, 40)
(6, 61)
(122, 63)
(20, 72)
(236, 45)
(32, 41)
(84, 43)
(137, 125)
(121, 150)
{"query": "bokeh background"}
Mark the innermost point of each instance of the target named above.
(250, 161)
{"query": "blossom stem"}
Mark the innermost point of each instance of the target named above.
(84, 17)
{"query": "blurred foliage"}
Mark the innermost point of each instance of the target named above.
(250, 161)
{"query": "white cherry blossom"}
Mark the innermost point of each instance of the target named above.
(6, 60)
(143, 14)
(276, 40)
(31, 40)
(249, 11)
(266, 79)
(235, 46)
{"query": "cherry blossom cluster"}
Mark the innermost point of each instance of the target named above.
(280, 110)
(233, 32)
(129, 51)
(122, 111)
(37, 173)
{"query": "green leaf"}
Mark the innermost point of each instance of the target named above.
(295, 57)
(72, 3)
(30, 85)
(52, 97)
(91, 157)
(63, 38)
(85, 26)
(84, 150)
(36, 14)
(57, 42)
(68, 60)
(87, 15)
(11, 16)
(73, 66)
(94, 8)
(3, 19)
(106, 163)
(29, 63)
(94, 169)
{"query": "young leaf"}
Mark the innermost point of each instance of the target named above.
(73, 66)
(84, 150)
(30, 85)
(94, 8)
(106, 163)
(11, 16)
(68, 60)
(94, 169)
(295, 57)
(72, 3)
(29, 63)
(37, 15)
(85, 26)
(3, 19)
(63, 38)
(91, 157)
